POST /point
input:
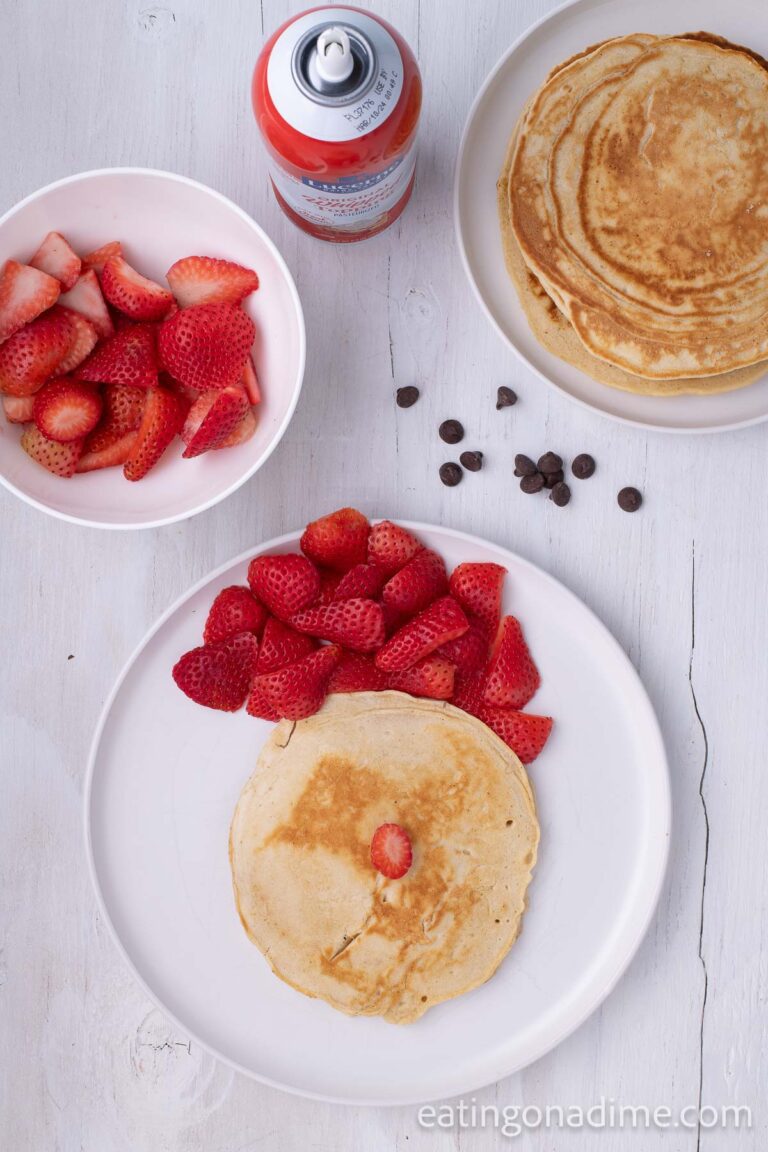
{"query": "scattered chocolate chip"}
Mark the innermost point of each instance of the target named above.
(450, 474)
(407, 397)
(505, 397)
(472, 461)
(549, 462)
(583, 466)
(553, 478)
(451, 431)
(524, 466)
(560, 494)
(531, 484)
(629, 499)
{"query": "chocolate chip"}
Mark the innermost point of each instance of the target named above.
(552, 478)
(524, 466)
(531, 484)
(472, 461)
(406, 397)
(450, 474)
(549, 462)
(583, 466)
(451, 431)
(505, 398)
(560, 494)
(629, 499)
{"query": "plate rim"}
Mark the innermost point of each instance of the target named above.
(627, 421)
(661, 837)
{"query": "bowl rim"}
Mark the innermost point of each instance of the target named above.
(176, 177)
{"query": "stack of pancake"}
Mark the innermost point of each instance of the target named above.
(634, 213)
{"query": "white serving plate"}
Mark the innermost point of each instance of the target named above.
(163, 779)
(519, 72)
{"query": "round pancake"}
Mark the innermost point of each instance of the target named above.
(307, 894)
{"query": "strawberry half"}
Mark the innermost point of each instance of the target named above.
(123, 407)
(337, 541)
(391, 546)
(160, 422)
(391, 851)
(18, 409)
(98, 258)
(356, 624)
(66, 410)
(110, 455)
(212, 418)
(33, 354)
(219, 675)
(55, 257)
(250, 382)
(207, 346)
(234, 610)
(60, 459)
(468, 693)
(298, 690)
(356, 672)
(468, 652)
(83, 340)
(129, 357)
(87, 299)
(206, 280)
(512, 677)
(417, 584)
(244, 430)
(134, 294)
(364, 580)
(442, 621)
(524, 733)
(281, 645)
(286, 584)
(432, 677)
(24, 293)
(478, 588)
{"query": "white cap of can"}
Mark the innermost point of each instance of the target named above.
(334, 56)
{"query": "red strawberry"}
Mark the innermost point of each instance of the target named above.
(281, 645)
(478, 588)
(129, 357)
(250, 381)
(83, 340)
(432, 677)
(442, 621)
(18, 409)
(337, 541)
(392, 619)
(417, 584)
(66, 410)
(391, 851)
(329, 582)
(60, 459)
(87, 299)
(242, 431)
(207, 346)
(512, 677)
(33, 354)
(234, 610)
(98, 258)
(391, 546)
(24, 293)
(286, 584)
(212, 418)
(357, 624)
(160, 422)
(364, 580)
(524, 733)
(108, 456)
(55, 257)
(468, 693)
(219, 675)
(131, 293)
(206, 280)
(468, 652)
(356, 672)
(298, 690)
(123, 409)
(257, 705)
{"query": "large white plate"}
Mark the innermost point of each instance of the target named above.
(491, 119)
(163, 779)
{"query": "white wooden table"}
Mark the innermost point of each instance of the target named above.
(85, 1060)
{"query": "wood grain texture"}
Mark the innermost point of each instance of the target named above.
(85, 1061)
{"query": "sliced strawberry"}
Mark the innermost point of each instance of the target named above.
(98, 258)
(87, 299)
(337, 541)
(356, 624)
(478, 588)
(298, 690)
(524, 733)
(110, 455)
(286, 584)
(219, 675)
(242, 431)
(468, 652)
(432, 677)
(281, 645)
(364, 580)
(259, 706)
(55, 257)
(250, 382)
(212, 418)
(391, 546)
(391, 851)
(468, 693)
(134, 294)
(512, 677)
(442, 621)
(160, 422)
(24, 293)
(129, 357)
(83, 340)
(234, 610)
(356, 672)
(206, 280)
(60, 459)
(33, 354)
(66, 410)
(207, 346)
(18, 409)
(123, 407)
(417, 584)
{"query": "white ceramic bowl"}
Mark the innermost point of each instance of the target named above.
(160, 217)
